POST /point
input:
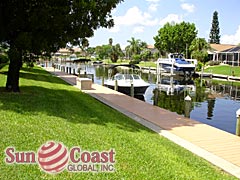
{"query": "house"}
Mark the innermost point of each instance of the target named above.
(152, 49)
(225, 53)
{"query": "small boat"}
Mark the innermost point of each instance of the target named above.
(177, 64)
(124, 82)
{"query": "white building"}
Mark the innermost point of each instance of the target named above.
(225, 53)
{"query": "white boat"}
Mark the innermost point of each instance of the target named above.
(124, 83)
(177, 64)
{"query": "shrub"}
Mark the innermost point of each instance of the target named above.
(212, 63)
(134, 62)
(136, 59)
(199, 66)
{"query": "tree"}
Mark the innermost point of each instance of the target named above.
(110, 41)
(112, 52)
(115, 51)
(174, 38)
(215, 30)
(42, 27)
(119, 50)
(3, 54)
(134, 47)
(91, 51)
(146, 54)
(84, 45)
(143, 45)
(103, 51)
(3, 48)
(198, 49)
(156, 55)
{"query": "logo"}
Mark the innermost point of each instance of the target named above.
(54, 157)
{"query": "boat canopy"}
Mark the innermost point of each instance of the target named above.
(175, 55)
(181, 61)
(126, 77)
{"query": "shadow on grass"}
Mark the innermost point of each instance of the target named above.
(41, 77)
(36, 74)
(35, 70)
(72, 106)
(2, 65)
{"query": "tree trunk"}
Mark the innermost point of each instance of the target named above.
(15, 57)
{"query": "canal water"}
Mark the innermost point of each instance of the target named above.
(213, 102)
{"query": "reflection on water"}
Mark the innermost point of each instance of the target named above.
(211, 104)
(214, 103)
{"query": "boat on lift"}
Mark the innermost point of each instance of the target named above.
(177, 64)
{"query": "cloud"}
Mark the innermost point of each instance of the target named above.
(188, 7)
(231, 39)
(153, 7)
(134, 17)
(171, 18)
(114, 29)
(138, 29)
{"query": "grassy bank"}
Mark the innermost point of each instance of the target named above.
(49, 109)
(224, 69)
(141, 63)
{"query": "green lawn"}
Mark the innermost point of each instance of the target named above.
(148, 64)
(142, 63)
(49, 109)
(224, 69)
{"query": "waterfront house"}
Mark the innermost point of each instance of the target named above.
(225, 53)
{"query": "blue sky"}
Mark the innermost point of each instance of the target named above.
(142, 19)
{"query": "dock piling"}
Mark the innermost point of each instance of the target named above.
(102, 80)
(188, 104)
(132, 90)
(116, 85)
(156, 94)
(238, 123)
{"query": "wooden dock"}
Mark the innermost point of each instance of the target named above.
(218, 147)
(218, 76)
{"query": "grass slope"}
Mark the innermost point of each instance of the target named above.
(49, 109)
(224, 69)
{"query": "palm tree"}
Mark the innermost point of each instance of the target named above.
(134, 47)
(110, 41)
(199, 44)
(116, 52)
(119, 50)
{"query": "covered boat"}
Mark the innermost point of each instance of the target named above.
(177, 64)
